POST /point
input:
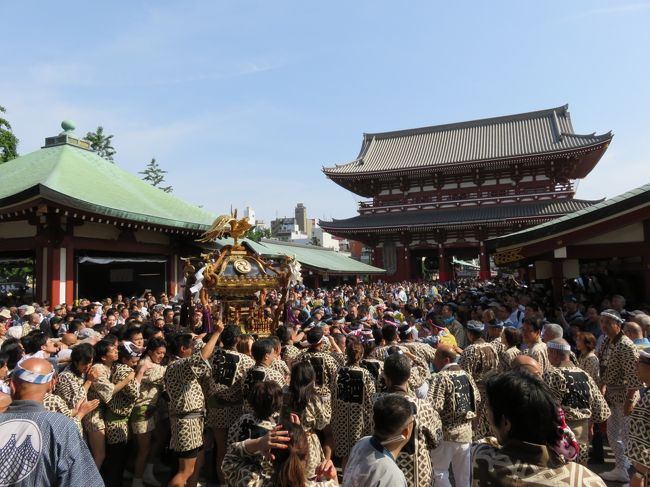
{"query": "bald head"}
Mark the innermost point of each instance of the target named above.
(528, 364)
(32, 379)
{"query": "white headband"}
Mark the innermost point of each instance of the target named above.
(617, 319)
(559, 346)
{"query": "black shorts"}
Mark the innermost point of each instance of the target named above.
(188, 454)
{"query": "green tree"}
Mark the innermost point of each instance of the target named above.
(101, 143)
(257, 234)
(315, 241)
(155, 176)
(8, 141)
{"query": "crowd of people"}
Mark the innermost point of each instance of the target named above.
(380, 384)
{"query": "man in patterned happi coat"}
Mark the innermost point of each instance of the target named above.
(576, 392)
(455, 396)
(324, 365)
(414, 460)
(531, 333)
(420, 375)
(638, 448)
(264, 356)
(225, 407)
(479, 359)
(618, 357)
(187, 402)
(423, 351)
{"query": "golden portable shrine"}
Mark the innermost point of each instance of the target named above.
(234, 280)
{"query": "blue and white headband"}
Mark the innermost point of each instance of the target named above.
(559, 346)
(32, 377)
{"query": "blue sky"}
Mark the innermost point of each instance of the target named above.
(243, 102)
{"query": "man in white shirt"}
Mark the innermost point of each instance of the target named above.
(372, 459)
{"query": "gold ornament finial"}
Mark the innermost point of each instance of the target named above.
(227, 225)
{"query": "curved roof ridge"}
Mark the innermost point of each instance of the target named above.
(70, 174)
(593, 135)
(562, 110)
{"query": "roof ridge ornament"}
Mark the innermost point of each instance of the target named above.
(68, 127)
(67, 137)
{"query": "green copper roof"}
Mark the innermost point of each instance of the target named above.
(80, 179)
(318, 258)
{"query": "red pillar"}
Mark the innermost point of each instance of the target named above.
(55, 257)
(484, 262)
(69, 275)
(59, 275)
(443, 270)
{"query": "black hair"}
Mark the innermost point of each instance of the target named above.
(155, 344)
(123, 354)
(131, 331)
(389, 333)
(301, 387)
(52, 331)
(475, 333)
(84, 317)
(397, 368)
(230, 335)
(260, 349)
(377, 336)
(532, 305)
(405, 331)
(101, 349)
(340, 339)
(536, 324)
(284, 334)
(115, 335)
(84, 353)
(100, 328)
(74, 325)
(397, 409)
(181, 340)
(512, 336)
(148, 331)
(315, 335)
(368, 347)
(274, 340)
(265, 398)
(4, 359)
(513, 395)
(33, 342)
(14, 351)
